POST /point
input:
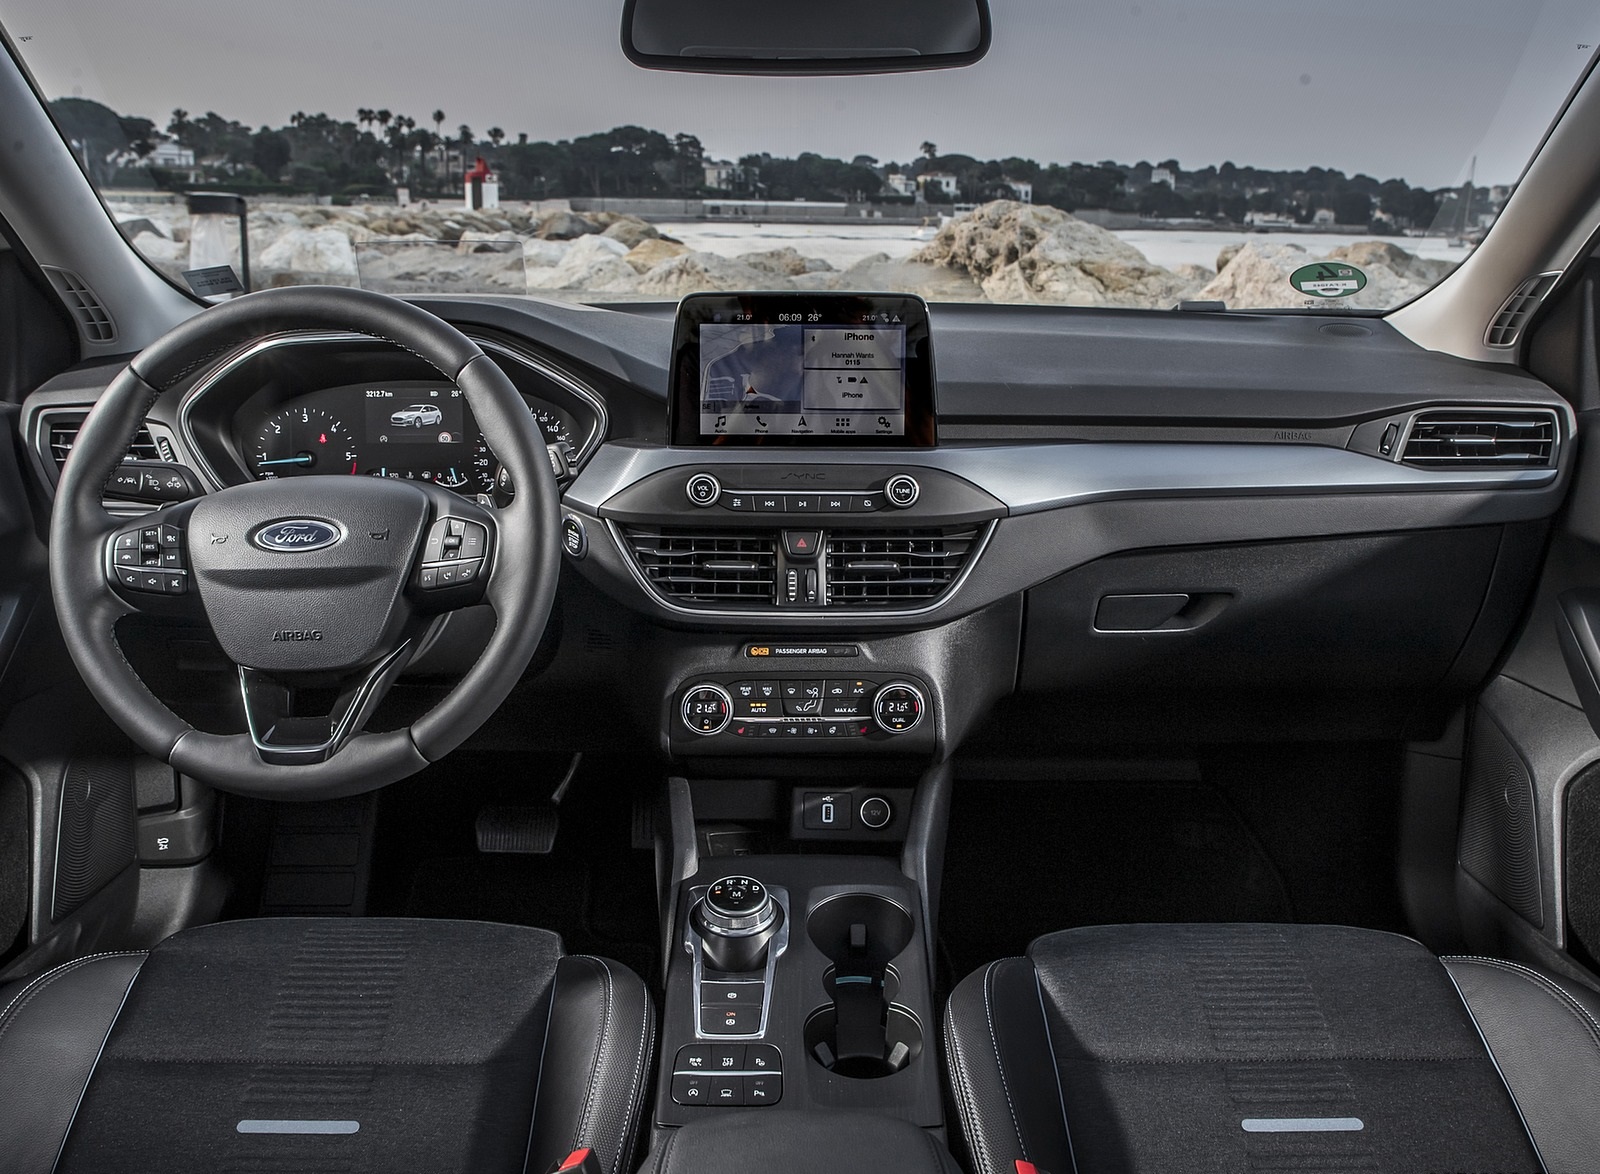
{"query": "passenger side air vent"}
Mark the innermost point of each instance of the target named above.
(705, 568)
(63, 434)
(893, 568)
(94, 320)
(1519, 307)
(1482, 439)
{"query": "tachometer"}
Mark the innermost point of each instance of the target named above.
(302, 440)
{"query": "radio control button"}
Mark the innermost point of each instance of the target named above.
(866, 503)
(703, 489)
(739, 502)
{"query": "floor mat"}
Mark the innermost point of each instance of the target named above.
(1047, 855)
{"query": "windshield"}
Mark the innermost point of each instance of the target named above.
(1128, 154)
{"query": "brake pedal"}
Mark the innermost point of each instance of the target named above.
(529, 831)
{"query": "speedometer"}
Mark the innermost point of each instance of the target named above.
(302, 440)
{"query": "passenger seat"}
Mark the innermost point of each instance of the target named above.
(1185, 1049)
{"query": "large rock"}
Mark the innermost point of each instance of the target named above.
(541, 254)
(565, 226)
(1030, 253)
(309, 255)
(785, 262)
(591, 263)
(631, 231)
(705, 272)
(646, 255)
(1257, 277)
(473, 241)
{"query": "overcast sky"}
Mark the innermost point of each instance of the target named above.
(1387, 87)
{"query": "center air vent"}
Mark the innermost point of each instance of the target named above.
(704, 567)
(1477, 438)
(894, 568)
(63, 434)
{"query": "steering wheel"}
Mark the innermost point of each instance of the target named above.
(318, 588)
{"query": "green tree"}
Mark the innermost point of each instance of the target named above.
(270, 151)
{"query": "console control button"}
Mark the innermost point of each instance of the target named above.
(739, 502)
(763, 1058)
(763, 1090)
(897, 707)
(769, 503)
(802, 543)
(574, 538)
(707, 709)
(866, 503)
(727, 1090)
(803, 503)
(902, 490)
(876, 812)
(837, 503)
(731, 994)
(693, 1058)
(703, 489)
(735, 1020)
(691, 1090)
(727, 1058)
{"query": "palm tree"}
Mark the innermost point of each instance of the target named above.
(384, 118)
(366, 117)
(496, 135)
(931, 150)
(438, 122)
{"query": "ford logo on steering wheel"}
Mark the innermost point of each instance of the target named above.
(296, 534)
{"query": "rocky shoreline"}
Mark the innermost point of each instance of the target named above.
(1001, 252)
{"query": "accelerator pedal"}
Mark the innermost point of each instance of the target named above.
(529, 831)
(526, 830)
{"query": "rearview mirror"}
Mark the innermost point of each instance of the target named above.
(777, 37)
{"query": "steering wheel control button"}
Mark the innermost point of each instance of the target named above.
(897, 708)
(453, 553)
(703, 489)
(902, 490)
(802, 544)
(150, 559)
(707, 709)
(574, 538)
(875, 812)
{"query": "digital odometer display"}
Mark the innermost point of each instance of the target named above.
(819, 369)
(405, 430)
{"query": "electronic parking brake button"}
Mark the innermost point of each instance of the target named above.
(735, 1019)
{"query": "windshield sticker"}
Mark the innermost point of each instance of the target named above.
(1328, 279)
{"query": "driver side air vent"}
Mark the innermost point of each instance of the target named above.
(700, 567)
(63, 434)
(93, 319)
(1484, 439)
(1519, 307)
(892, 568)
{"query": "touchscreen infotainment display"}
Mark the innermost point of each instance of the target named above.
(822, 369)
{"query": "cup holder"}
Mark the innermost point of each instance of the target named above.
(902, 1044)
(859, 927)
(863, 1033)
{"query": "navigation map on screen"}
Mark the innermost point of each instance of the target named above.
(792, 380)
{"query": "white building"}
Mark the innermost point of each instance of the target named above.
(900, 183)
(1324, 217)
(1021, 189)
(1163, 175)
(943, 181)
(1267, 220)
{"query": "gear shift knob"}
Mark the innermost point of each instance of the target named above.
(735, 920)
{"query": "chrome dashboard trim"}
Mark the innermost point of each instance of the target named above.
(568, 382)
(837, 615)
(1031, 478)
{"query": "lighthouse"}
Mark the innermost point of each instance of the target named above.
(482, 187)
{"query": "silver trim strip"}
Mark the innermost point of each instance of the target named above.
(301, 1128)
(843, 615)
(556, 375)
(1031, 478)
(1302, 1125)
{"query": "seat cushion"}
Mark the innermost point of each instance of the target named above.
(1194, 1048)
(331, 1045)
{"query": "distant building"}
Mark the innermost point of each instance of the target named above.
(723, 176)
(1021, 189)
(1324, 217)
(900, 183)
(1267, 219)
(1163, 175)
(942, 181)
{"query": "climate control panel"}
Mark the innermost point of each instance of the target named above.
(877, 710)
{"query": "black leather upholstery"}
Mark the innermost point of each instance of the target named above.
(1546, 1040)
(299, 1044)
(1266, 1047)
(51, 1034)
(776, 1141)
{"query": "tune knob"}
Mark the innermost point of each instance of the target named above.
(898, 707)
(902, 491)
(707, 708)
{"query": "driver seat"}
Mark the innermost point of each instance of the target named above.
(314, 1044)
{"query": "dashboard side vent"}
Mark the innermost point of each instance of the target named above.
(1482, 438)
(63, 434)
(892, 568)
(706, 568)
(93, 319)
(1507, 325)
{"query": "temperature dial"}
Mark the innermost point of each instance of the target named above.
(898, 707)
(707, 708)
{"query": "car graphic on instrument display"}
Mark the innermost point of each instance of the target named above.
(417, 416)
